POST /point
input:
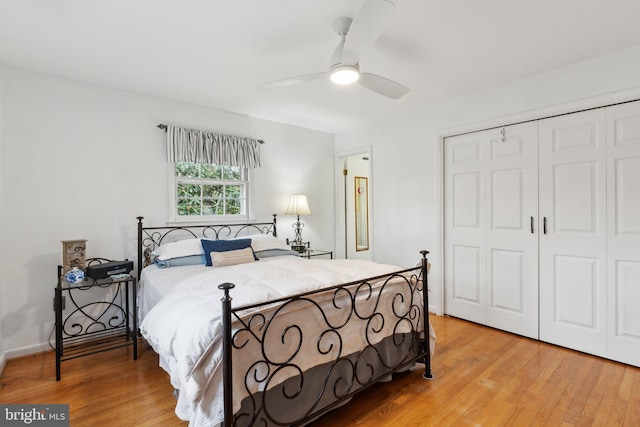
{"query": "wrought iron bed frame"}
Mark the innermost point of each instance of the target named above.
(253, 324)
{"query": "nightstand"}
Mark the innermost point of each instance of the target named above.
(93, 316)
(315, 252)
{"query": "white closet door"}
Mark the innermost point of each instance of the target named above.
(465, 225)
(512, 230)
(490, 251)
(623, 182)
(573, 249)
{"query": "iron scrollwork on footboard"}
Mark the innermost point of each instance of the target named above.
(309, 353)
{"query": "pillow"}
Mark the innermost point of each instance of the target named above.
(209, 246)
(267, 253)
(178, 249)
(238, 256)
(262, 242)
(180, 261)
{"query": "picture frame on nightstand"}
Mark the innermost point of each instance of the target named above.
(74, 254)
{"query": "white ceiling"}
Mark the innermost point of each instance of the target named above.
(215, 52)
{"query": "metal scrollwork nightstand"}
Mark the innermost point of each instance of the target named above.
(93, 316)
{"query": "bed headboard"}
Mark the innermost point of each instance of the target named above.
(149, 238)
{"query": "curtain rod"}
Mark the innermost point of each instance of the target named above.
(164, 128)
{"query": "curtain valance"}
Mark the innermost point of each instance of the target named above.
(197, 146)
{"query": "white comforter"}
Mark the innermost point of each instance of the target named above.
(184, 328)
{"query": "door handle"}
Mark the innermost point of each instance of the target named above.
(531, 225)
(544, 225)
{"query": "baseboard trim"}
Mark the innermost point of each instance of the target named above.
(25, 351)
(3, 363)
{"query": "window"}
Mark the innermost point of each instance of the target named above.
(205, 190)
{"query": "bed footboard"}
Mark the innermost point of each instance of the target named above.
(353, 335)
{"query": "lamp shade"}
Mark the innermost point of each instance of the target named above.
(298, 205)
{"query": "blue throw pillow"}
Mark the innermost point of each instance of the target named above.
(180, 261)
(209, 246)
(267, 253)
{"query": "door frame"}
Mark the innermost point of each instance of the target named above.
(340, 205)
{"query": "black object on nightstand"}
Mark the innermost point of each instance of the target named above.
(89, 325)
(298, 247)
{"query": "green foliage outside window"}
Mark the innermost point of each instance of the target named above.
(204, 190)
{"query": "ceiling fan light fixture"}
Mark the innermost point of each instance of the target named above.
(345, 74)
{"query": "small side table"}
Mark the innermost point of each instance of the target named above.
(315, 252)
(90, 325)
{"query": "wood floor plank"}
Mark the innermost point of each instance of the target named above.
(603, 395)
(632, 391)
(483, 377)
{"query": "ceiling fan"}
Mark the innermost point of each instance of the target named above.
(357, 35)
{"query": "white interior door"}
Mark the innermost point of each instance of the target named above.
(623, 245)
(348, 165)
(573, 243)
(465, 225)
(491, 261)
(357, 166)
(512, 230)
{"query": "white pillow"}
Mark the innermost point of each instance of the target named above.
(178, 249)
(263, 242)
(237, 256)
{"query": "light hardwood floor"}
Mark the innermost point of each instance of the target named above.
(483, 377)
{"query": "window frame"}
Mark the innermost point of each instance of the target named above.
(174, 180)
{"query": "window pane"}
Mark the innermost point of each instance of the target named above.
(189, 190)
(233, 191)
(213, 191)
(232, 173)
(213, 207)
(212, 172)
(189, 206)
(233, 207)
(188, 170)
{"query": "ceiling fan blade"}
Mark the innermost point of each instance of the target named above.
(365, 29)
(382, 86)
(291, 81)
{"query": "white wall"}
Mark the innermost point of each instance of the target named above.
(2, 204)
(406, 207)
(81, 162)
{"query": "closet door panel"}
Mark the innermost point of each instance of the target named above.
(575, 199)
(507, 199)
(467, 284)
(623, 127)
(507, 280)
(576, 291)
(512, 247)
(626, 176)
(465, 269)
(573, 248)
(490, 251)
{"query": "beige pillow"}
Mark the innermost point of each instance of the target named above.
(238, 256)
